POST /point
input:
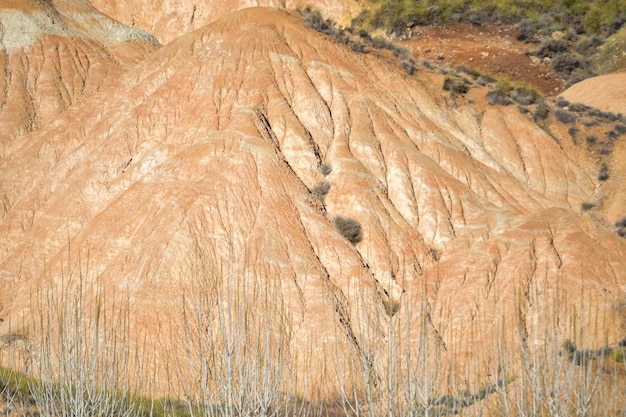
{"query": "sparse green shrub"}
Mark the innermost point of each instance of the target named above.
(401, 52)
(409, 66)
(326, 169)
(550, 47)
(527, 30)
(349, 228)
(587, 122)
(84, 365)
(604, 115)
(606, 148)
(455, 84)
(619, 129)
(579, 75)
(586, 206)
(14, 388)
(495, 97)
(526, 95)
(567, 63)
(357, 47)
(381, 42)
(315, 20)
(464, 69)
(595, 112)
(321, 190)
(17, 389)
(484, 80)
(394, 16)
(578, 107)
(541, 112)
(584, 24)
(603, 175)
(365, 35)
(500, 93)
(573, 132)
(621, 231)
(586, 45)
(533, 30)
(564, 116)
(561, 102)
(357, 38)
(612, 135)
(569, 346)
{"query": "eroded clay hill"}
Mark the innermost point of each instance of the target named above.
(195, 167)
(54, 55)
(169, 19)
(607, 93)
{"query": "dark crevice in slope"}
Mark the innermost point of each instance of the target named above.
(31, 123)
(555, 251)
(8, 78)
(60, 77)
(264, 128)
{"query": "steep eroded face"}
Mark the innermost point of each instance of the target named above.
(55, 54)
(170, 19)
(188, 183)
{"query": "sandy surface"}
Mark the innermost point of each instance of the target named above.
(487, 48)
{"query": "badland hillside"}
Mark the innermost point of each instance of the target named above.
(298, 208)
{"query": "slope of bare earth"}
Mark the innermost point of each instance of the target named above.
(490, 48)
(54, 56)
(197, 165)
(607, 93)
(169, 19)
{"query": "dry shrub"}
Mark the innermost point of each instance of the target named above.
(321, 190)
(349, 228)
